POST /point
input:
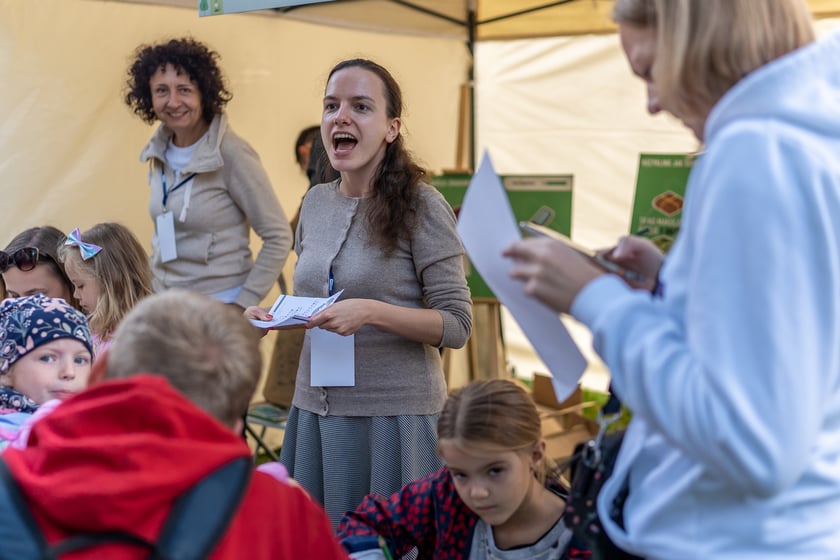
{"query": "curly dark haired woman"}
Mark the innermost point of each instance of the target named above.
(208, 187)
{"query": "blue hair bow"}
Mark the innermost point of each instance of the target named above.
(88, 250)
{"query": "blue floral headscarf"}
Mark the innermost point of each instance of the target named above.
(28, 322)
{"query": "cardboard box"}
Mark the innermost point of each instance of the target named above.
(563, 423)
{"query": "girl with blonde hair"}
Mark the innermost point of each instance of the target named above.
(110, 273)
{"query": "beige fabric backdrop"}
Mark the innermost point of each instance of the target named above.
(570, 105)
(70, 146)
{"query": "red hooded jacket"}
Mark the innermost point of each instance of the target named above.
(116, 456)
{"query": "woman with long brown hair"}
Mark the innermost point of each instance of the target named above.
(388, 240)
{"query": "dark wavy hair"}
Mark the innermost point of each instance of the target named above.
(186, 55)
(304, 138)
(47, 239)
(394, 200)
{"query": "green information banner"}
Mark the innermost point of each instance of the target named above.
(660, 190)
(546, 196)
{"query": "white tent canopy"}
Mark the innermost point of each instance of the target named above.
(490, 19)
(483, 19)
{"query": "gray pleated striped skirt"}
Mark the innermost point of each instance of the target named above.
(340, 459)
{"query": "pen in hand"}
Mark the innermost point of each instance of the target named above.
(631, 275)
(600, 260)
(618, 270)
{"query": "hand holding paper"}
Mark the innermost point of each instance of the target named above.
(345, 317)
(551, 271)
(294, 310)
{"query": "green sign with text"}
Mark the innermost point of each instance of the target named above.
(547, 196)
(660, 190)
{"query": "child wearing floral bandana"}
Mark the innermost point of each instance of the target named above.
(110, 272)
(45, 354)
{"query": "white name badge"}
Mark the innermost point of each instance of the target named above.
(333, 359)
(166, 236)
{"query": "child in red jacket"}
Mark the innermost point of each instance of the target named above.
(113, 459)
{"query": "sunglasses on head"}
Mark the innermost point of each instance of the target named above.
(25, 259)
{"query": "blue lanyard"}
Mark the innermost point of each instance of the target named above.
(166, 193)
(331, 284)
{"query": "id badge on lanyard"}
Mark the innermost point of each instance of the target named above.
(165, 222)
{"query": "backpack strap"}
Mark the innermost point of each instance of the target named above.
(613, 404)
(19, 532)
(21, 537)
(195, 524)
(199, 518)
(90, 540)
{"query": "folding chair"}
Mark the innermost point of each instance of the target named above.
(265, 415)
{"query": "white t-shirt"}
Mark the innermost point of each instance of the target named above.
(178, 157)
(550, 546)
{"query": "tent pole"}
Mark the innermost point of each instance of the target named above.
(471, 28)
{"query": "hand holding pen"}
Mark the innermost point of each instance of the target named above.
(551, 270)
(602, 259)
(554, 270)
(637, 253)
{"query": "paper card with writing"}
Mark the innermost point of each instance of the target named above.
(289, 311)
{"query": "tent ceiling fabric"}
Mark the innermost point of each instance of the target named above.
(496, 19)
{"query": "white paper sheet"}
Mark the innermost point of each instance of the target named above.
(294, 310)
(332, 358)
(487, 226)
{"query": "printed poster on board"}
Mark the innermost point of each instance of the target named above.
(660, 192)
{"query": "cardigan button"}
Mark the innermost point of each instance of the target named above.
(325, 405)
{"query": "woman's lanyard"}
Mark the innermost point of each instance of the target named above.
(165, 223)
(166, 193)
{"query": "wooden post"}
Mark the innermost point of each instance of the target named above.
(462, 147)
(486, 346)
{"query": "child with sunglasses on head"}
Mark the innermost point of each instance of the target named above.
(110, 272)
(496, 498)
(45, 357)
(29, 265)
